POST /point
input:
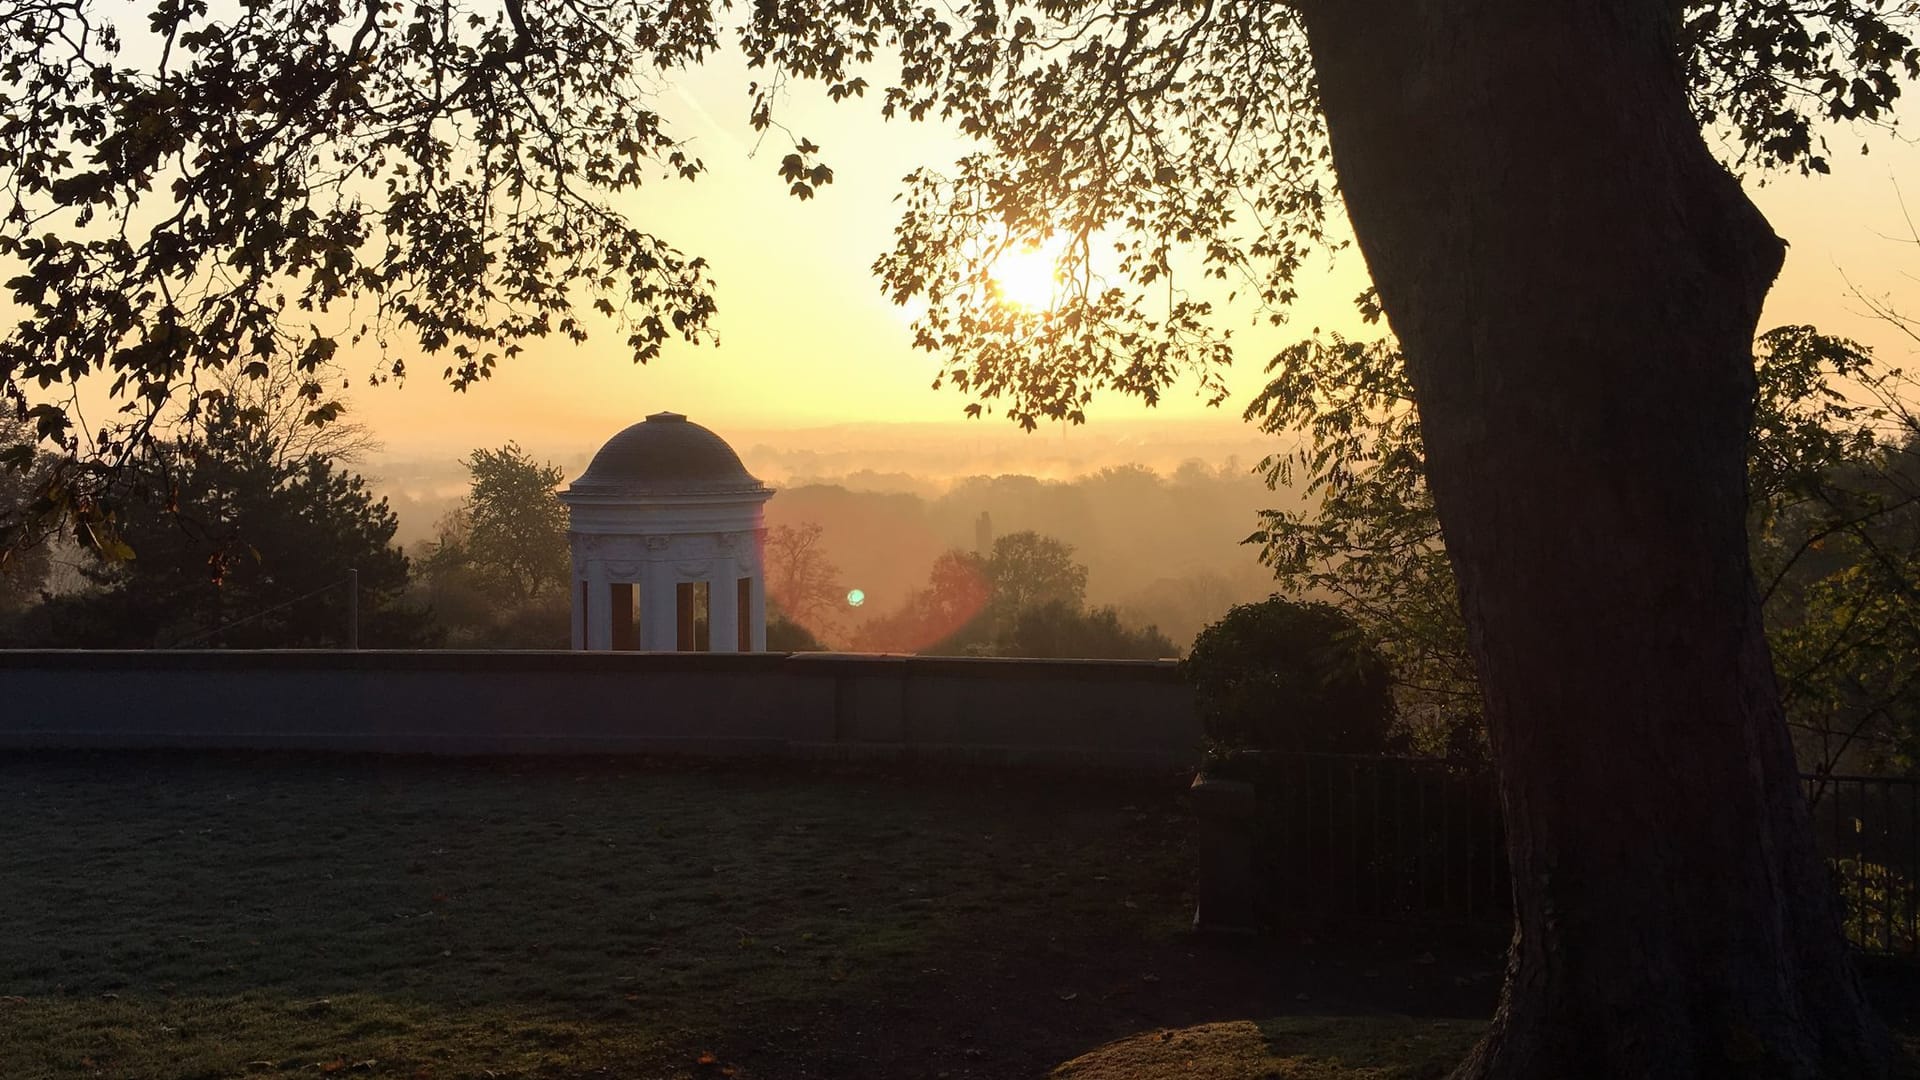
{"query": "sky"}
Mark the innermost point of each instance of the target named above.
(812, 359)
(810, 349)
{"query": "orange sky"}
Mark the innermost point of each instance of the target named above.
(807, 340)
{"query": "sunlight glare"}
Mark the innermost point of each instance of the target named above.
(1025, 277)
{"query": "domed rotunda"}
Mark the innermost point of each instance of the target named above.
(666, 528)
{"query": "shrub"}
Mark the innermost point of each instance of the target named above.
(1058, 629)
(785, 635)
(1282, 675)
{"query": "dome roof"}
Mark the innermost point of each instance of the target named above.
(666, 455)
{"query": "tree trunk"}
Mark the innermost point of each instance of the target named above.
(1576, 281)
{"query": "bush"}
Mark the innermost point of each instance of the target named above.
(1060, 630)
(1282, 675)
(785, 635)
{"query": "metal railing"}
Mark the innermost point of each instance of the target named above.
(1423, 840)
(1869, 829)
(1406, 839)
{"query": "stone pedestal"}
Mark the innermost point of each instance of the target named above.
(1225, 903)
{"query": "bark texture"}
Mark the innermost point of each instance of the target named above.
(1576, 282)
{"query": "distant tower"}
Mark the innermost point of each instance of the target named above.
(666, 528)
(983, 533)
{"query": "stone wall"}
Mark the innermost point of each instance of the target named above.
(1102, 713)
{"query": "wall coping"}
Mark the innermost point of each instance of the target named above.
(885, 665)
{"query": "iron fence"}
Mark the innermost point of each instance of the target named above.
(1423, 840)
(1405, 839)
(1869, 829)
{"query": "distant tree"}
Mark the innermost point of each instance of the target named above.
(1027, 570)
(960, 588)
(515, 527)
(1182, 605)
(239, 545)
(294, 421)
(495, 572)
(948, 617)
(1025, 598)
(1057, 629)
(801, 580)
(1283, 675)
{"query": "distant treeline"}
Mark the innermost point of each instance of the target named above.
(1162, 550)
(241, 534)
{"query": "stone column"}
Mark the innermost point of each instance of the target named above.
(579, 586)
(759, 609)
(599, 609)
(659, 624)
(723, 611)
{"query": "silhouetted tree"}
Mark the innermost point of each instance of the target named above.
(239, 546)
(1058, 629)
(1026, 571)
(1025, 598)
(949, 617)
(801, 580)
(516, 526)
(496, 572)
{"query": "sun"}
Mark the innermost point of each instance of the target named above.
(1026, 277)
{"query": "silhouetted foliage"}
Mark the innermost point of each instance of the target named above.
(23, 568)
(1835, 507)
(239, 547)
(1283, 675)
(786, 635)
(1836, 542)
(506, 138)
(497, 574)
(949, 617)
(1026, 571)
(516, 526)
(1058, 629)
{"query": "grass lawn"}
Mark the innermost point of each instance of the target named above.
(225, 915)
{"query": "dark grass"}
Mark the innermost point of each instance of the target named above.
(216, 915)
(209, 915)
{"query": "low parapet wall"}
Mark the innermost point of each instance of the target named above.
(1105, 713)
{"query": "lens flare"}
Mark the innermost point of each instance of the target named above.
(856, 597)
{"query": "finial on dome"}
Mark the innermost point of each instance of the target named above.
(667, 418)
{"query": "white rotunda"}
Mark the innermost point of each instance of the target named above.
(666, 528)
